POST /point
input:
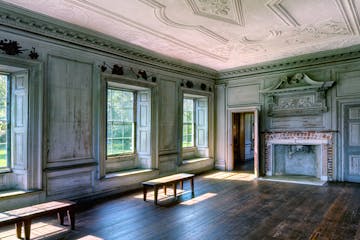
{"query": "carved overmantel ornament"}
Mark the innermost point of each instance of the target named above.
(297, 95)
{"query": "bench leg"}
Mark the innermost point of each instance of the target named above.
(181, 184)
(145, 192)
(155, 194)
(174, 185)
(71, 217)
(27, 228)
(192, 186)
(18, 226)
(60, 216)
(164, 187)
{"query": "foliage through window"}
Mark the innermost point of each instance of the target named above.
(188, 123)
(4, 121)
(195, 121)
(120, 122)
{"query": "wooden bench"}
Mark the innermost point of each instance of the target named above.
(23, 216)
(169, 180)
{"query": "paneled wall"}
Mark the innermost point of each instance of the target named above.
(72, 140)
(242, 88)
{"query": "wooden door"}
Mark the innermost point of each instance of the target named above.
(352, 142)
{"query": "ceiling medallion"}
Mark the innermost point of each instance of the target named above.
(229, 11)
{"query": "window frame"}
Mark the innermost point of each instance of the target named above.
(151, 158)
(196, 151)
(31, 169)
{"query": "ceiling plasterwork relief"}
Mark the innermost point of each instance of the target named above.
(276, 7)
(272, 34)
(319, 31)
(144, 29)
(350, 14)
(229, 11)
(213, 33)
(160, 13)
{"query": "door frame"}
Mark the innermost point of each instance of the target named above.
(229, 162)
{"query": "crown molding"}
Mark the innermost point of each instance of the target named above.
(35, 23)
(308, 60)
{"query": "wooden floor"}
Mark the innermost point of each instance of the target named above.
(227, 205)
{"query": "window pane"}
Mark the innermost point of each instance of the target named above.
(120, 122)
(188, 123)
(3, 121)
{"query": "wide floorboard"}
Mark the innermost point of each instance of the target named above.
(227, 205)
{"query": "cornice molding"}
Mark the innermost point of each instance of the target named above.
(21, 19)
(308, 60)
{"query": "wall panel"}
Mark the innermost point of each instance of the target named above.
(69, 109)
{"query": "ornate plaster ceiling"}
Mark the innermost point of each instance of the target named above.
(219, 34)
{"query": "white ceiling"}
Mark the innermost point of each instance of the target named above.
(219, 34)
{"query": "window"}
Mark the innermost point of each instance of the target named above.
(126, 125)
(21, 114)
(195, 121)
(4, 122)
(120, 122)
(188, 123)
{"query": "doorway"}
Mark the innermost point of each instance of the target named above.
(250, 128)
(243, 141)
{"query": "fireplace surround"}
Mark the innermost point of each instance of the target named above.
(317, 146)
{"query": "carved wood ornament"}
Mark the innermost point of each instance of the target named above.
(297, 95)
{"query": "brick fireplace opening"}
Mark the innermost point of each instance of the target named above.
(306, 153)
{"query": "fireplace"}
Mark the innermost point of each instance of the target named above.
(296, 142)
(306, 153)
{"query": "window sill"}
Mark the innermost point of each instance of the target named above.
(194, 160)
(127, 173)
(7, 194)
(5, 170)
(120, 157)
(189, 149)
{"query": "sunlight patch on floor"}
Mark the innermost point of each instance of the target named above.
(198, 199)
(239, 176)
(90, 237)
(161, 194)
(39, 230)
